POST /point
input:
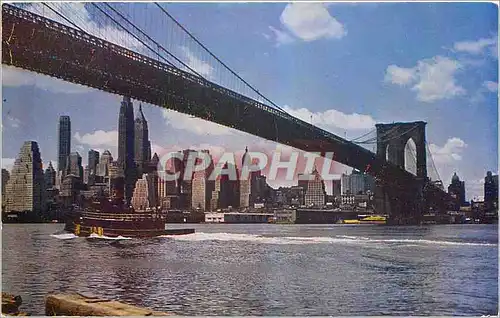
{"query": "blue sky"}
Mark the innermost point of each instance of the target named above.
(348, 65)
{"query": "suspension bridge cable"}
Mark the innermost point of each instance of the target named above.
(405, 132)
(376, 138)
(432, 161)
(363, 135)
(138, 39)
(138, 29)
(215, 57)
(66, 19)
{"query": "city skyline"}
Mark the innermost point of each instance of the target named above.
(396, 87)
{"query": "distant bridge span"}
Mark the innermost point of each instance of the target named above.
(35, 43)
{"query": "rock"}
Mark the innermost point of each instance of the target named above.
(87, 305)
(10, 304)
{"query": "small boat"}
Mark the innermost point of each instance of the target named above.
(373, 219)
(351, 221)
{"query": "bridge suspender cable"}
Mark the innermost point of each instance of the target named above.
(62, 16)
(371, 131)
(432, 160)
(138, 39)
(215, 57)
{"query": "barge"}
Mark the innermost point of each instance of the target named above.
(112, 218)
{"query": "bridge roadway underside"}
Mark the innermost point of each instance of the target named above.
(35, 43)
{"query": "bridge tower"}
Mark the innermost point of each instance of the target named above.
(392, 139)
(404, 203)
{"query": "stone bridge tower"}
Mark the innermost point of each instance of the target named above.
(392, 139)
(404, 204)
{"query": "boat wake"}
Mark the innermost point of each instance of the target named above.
(64, 236)
(339, 239)
(104, 237)
(70, 236)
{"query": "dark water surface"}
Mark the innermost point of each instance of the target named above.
(265, 269)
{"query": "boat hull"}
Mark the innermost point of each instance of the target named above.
(121, 227)
(86, 231)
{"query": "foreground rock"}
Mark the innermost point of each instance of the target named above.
(11, 304)
(88, 305)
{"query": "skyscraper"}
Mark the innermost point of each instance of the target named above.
(357, 182)
(457, 190)
(491, 191)
(64, 142)
(202, 187)
(142, 144)
(93, 161)
(145, 194)
(5, 179)
(315, 193)
(50, 176)
(104, 162)
(25, 188)
(126, 141)
(245, 182)
(75, 165)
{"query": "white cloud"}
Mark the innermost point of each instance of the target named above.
(433, 79)
(491, 86)
(332, 118)
(477, 47)
(201, 67)
(12, 121)
(98, 138)
(281, 37)
(8, 163)
(449, 153)
(195, 125)
(399, 75)
(311, 21)
(15, 77)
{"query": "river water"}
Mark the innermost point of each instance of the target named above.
(265, 269)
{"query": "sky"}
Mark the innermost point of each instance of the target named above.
(343, 67)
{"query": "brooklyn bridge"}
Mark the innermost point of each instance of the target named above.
(62, 44)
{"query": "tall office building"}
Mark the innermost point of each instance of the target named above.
(491, 191)
(104, 162)
(50, 176)
(314, 189)
(5, 179)
(25, 189)
(126, 143)
(93, 164)
(75, 165)
(202, 187)
(145, 194)
(142, 146)
(457, 190)
(226, 192)
(64, 142)
(245, 183)
(357, 183)
(93, 161)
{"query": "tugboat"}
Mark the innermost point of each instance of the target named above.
(112, 218)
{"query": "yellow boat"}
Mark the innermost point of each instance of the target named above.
(373, 219)
(351, 222)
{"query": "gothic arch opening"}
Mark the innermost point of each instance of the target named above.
(387, 152)
(410, 155)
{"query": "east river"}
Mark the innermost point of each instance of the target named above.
(265, 269)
